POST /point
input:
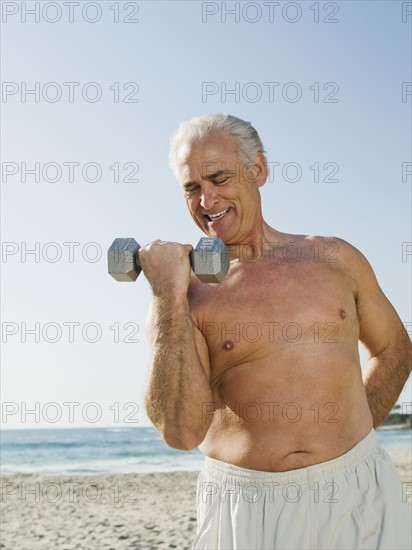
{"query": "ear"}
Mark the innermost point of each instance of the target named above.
(262, 169)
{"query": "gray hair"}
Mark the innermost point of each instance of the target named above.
(246, 137)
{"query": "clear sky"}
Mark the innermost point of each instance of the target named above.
(326, 84)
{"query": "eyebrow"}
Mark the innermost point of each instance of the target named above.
(209, 177)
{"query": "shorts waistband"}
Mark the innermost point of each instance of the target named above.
(234, 475)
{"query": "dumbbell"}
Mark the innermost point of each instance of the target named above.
(209, 260)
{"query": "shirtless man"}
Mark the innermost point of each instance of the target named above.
(262, 371)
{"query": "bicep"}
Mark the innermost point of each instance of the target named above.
(379, 324)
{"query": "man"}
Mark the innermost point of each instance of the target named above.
(262, 371)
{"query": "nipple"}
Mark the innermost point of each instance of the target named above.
(342, 313)
(228, 345)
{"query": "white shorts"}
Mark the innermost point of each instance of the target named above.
(355, 501)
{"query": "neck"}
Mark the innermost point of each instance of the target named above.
(255, 245)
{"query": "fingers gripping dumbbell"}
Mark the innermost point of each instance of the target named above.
(209, 260)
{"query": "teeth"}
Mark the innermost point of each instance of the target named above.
(218, 215)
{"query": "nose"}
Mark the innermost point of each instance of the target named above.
(208, 198)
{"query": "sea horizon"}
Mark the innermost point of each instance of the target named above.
(113, 450)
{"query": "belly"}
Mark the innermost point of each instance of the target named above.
(288, 412)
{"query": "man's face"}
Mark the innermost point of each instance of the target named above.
(222, 194)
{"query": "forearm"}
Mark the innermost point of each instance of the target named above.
(384, 377)
(178, 384)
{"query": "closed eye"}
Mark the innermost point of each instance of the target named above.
(191, 188)
(220, 177)
(220, 181)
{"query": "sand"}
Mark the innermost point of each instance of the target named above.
(133, 511)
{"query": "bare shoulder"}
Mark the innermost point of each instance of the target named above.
(339, 251)
(353, 264)
(339, 256)
(323, 249)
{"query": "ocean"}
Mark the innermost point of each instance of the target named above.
(91, 451)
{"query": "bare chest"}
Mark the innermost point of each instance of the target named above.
(265, 310)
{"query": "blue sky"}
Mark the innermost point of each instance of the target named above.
(165, 60)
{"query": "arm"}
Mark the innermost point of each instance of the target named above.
(179, 375)
(385, 339)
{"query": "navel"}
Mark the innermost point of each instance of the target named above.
(228, 345)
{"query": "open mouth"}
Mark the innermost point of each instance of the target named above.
(217, 216)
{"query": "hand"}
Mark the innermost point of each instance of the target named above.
(166, 266)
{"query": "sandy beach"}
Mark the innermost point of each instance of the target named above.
(133, 511)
